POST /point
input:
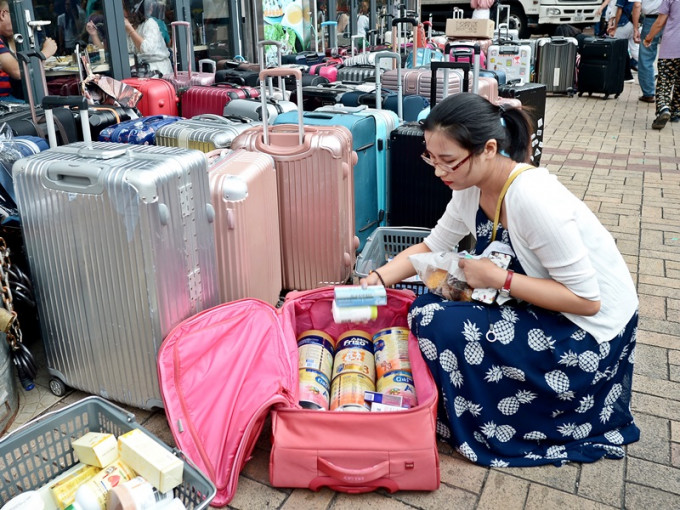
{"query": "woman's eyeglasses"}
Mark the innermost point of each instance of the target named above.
(447, 168)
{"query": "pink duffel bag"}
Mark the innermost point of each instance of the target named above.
(224, 370)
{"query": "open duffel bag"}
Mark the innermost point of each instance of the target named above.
(223, 370)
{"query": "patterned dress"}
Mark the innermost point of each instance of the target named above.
(543, 391)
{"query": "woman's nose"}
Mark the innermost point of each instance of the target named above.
(439, 172)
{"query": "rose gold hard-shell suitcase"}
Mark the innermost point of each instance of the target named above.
(247, 235)
(316, 198)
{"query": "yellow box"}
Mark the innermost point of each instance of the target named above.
(150, 460)
(96, 449)
(64, 489)
(474, 28)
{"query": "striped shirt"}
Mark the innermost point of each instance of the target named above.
(5, 84)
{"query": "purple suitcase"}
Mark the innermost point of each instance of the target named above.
(182, 80)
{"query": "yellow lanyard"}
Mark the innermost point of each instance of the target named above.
(507, 184)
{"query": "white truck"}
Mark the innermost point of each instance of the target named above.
(527, 16)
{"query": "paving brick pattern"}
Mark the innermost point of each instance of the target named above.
(629, 175)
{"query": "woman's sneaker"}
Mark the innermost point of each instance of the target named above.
(661, 119)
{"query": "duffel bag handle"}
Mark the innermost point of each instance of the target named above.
(351, 480)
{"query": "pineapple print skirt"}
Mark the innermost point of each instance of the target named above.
(543, 391)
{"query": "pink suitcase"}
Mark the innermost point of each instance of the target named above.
(158, 96)
(316, 195)
(328, 70)
(201, 100)
(182, 80)
(243, 187)
(224, 371)
(417, 82)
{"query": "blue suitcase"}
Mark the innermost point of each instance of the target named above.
(386, 121)
(363, 129)
(12, 150)
(140, 131)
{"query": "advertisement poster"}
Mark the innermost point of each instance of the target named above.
(289, 22)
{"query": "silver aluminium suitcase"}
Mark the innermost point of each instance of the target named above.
(205, 132)
(121, 248)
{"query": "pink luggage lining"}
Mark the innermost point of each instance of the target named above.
(222, 370)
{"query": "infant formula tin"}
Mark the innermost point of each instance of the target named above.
(315, 351)
(314, 389)
(354, 353)
(347, 392)
(399, 382)
(391, 350)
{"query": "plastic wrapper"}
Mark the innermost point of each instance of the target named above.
(439, 271)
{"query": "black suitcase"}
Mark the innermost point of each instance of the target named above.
(532, 96)
(316, 96)
(308, 80)
(357, 74)
(416, 197)
(22, 123)
(602, 67)
(238, 77)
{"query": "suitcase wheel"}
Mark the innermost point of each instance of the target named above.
(606, 96)
(580, 94)
(616, 96)
(57, 387)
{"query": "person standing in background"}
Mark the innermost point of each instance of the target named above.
(10, 74)
(70, 25)
(363, 22)
(668, 86)
(626, 26)
(650, 11)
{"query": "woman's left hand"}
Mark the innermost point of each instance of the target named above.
(482, 273)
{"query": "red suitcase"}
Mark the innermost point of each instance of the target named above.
(316, 195)
(200, 100)
(224, 371)
(242, 186)
(158, 96)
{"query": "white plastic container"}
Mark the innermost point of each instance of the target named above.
(25, 500)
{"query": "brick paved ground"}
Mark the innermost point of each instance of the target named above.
(629, 174)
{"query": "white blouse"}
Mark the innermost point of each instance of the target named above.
(153, 50)
(556, 236)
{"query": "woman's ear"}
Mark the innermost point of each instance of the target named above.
(490, 148)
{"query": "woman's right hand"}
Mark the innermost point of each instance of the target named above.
(91, 28)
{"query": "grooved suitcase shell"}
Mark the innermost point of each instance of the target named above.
(202, 135)
(316, 202)
(556, 64)
(121, 249)
(417, 82)
(247, 232)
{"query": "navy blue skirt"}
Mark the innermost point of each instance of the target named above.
(539, 390)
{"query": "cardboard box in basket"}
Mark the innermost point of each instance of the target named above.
(475, 28)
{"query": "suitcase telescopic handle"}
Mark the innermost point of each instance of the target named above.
(283, 72)
(358, 37)
(435, 66)
(261, 54)
(174, 27)
(78, 102)
(474, 52)
(378, 85)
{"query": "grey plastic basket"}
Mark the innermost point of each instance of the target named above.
(385, 243)
(41, 450)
